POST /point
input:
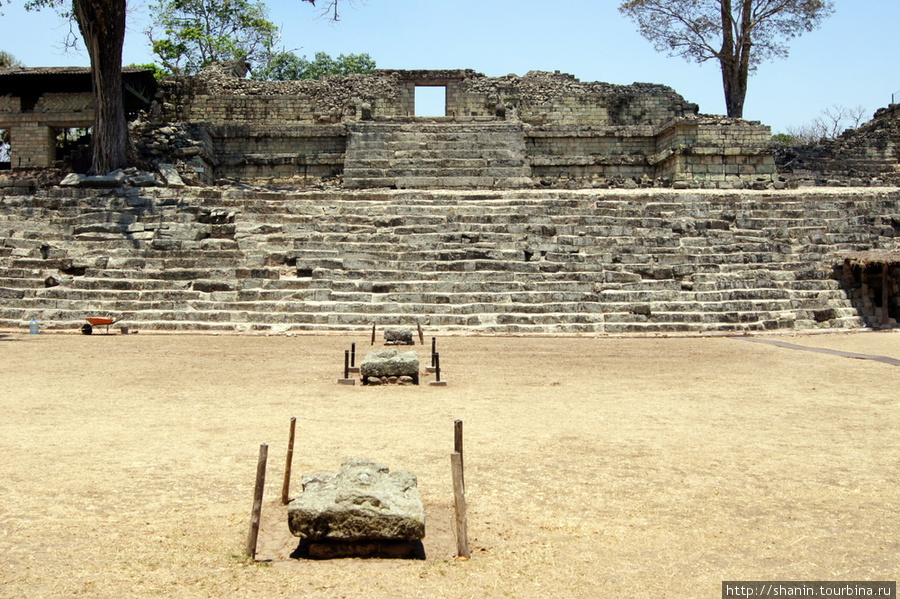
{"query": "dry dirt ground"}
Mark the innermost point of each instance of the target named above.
(595, 467)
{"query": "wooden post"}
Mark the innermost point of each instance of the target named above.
(346, 364)
(421, 335)
(885, 293)
(352, 355)
(373, 333)
(458, 447)
(286, 487)
(257, 501)
(459, 495)
(433, 349)
(437, 382)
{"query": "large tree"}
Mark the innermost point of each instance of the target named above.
(739, 34)
(188, 35)
(102, 26)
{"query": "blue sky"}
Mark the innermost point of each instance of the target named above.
(849, 61)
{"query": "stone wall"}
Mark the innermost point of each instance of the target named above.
(65, 102)
(39, 103)
(575, 133)
(714, 149)
(33, 146)
(215, 96)
(869, 155)
(9, 103)
(584, 153)
(541, 98)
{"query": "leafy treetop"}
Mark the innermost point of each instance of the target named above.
(287, 66)
(739, 34)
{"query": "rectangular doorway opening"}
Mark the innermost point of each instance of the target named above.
(73, 146)
(431, 100)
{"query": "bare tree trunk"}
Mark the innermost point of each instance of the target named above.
(102, 24)
(728, 63)
(734, 58)
(734, 83)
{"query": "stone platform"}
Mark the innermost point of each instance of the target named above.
(510, 262)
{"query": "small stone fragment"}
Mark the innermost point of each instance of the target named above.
(398, 336)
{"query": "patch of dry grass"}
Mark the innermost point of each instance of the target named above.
(595, 467)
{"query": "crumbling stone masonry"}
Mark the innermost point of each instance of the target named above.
(543, 128)
(868, 155)
(37, 103)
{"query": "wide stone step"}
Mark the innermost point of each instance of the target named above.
(501, 261)
(440, 286)
(165, 320)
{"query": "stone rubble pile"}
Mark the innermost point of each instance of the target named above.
(864, 157)
(186, 146)
(545, 87)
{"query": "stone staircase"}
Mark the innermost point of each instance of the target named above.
(436, 153)
(479, 261)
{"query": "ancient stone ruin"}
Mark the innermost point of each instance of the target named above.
(39, 104)
(508, 132)
(363, 510)
(496, 217)
(868, 155)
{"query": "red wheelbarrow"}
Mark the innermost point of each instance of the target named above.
(96, 321)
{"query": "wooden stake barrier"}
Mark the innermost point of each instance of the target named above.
(433, 351)
(346, 363)
(257, 501)
(459, 495)
(458, 447)
(437, 382)
(286, 487)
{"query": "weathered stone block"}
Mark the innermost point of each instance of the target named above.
(390, 362)
(363, 501)
(398, 336)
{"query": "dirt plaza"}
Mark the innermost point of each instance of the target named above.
(595, 466)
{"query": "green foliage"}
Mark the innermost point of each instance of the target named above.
(738, 34)
(707, 29)
(287, 66)
(784, 139)
(7, 60)
(188, 35)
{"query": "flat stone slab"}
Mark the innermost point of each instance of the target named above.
(171, 176)
(364, 501)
